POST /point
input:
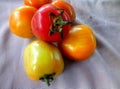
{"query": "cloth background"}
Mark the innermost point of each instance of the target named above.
(101, 71)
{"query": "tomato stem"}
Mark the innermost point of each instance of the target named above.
(57, 23)
(47, 78)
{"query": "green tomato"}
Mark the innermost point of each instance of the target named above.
(42, 61)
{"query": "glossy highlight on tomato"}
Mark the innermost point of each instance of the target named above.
(42, 61)
(79, 44)
(50, 23)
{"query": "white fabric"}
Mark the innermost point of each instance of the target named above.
(101, 71)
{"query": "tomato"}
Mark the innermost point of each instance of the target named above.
(20, 21)
(50, 23)
(36, 3)
(42, 61)
(67, 7)
(79, 44)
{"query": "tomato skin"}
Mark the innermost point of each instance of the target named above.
(20, 21)
(36, 3)
(41, 23)
(79, 44)
(41, 58)
(67, 7)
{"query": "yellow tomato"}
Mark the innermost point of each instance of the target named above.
(42, 61)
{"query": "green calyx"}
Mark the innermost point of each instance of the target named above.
(47, 78)
(57, 23)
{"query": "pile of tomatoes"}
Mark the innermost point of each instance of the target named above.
(51, 23)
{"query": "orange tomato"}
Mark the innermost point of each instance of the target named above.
(79, 44)
(20, 21)
(67, 7)
(36, 3)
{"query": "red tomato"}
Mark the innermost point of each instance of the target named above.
(79, 44)
(36, 3)
(50, 23)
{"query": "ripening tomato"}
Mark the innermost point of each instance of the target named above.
(79, 44)
(36, 3)
(20, 21)
(67, 7)
(50, 23)
(42, 61)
